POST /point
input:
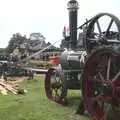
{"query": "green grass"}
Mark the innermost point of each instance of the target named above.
(35, 106)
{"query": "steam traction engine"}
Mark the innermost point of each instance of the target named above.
(93, 66)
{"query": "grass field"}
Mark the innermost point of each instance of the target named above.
(35, 106)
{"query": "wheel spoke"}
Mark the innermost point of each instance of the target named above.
(109, 26)
(116, 76)
(108, 68)
(101, 77)
(99, 28)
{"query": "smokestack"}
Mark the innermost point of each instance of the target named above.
(73, 8)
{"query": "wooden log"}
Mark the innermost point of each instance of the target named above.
(9, 88)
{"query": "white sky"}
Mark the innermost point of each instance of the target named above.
(46, 16)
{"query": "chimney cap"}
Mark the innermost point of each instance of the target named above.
(73, 5)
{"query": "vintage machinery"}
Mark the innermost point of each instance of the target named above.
(93, 66)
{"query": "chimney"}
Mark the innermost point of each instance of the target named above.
(73, 8)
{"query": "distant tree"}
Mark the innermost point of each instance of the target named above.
(37, 36)
(16, 40)
(3, 51)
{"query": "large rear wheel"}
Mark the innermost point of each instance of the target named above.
(101, 85)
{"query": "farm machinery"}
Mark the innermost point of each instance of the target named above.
(90, 64)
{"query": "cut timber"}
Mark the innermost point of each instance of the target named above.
(8, 87)
(3, 90)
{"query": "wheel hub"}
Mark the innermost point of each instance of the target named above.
(107, 88)
(56, 85)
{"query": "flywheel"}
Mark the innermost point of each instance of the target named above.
(102, 31)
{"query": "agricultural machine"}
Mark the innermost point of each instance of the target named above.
(90, 64)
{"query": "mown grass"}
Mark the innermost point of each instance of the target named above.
(35, 106)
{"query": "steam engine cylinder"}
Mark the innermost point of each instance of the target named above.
(72, 60)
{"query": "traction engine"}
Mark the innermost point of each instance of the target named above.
(91, 64)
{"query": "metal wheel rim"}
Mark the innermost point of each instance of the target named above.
(95, 111)
(91, 24)
(60, 93)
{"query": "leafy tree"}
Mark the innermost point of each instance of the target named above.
(16, 40)
(3, 51)
(37, 36)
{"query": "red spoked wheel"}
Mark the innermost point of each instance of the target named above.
(54, 86)
(101, 85)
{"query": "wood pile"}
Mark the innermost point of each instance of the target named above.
(10, 87)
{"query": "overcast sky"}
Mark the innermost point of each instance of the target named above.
(46, 16)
